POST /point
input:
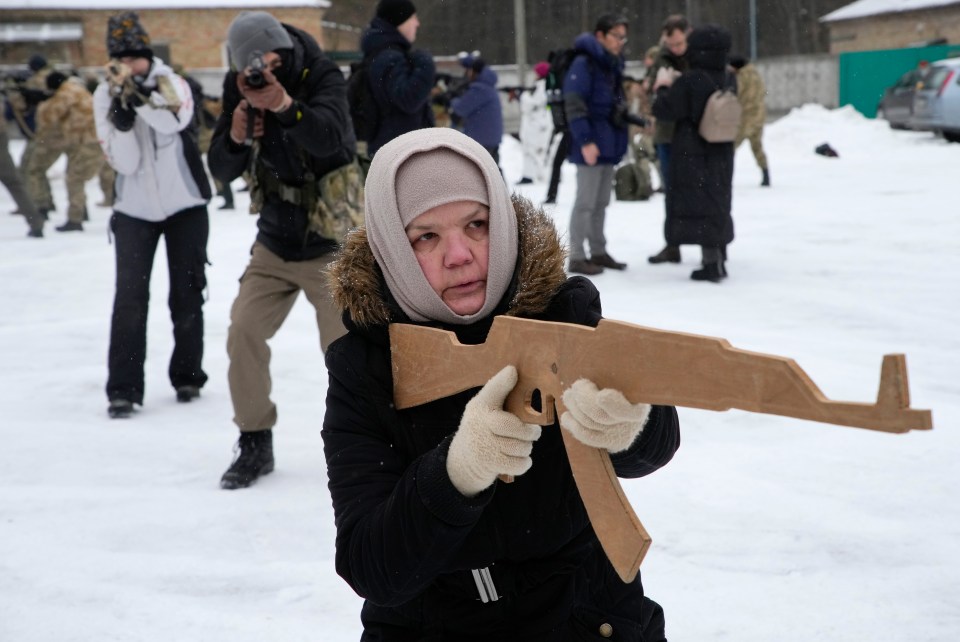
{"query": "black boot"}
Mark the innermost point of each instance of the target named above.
(186, 394)
(669, 254)
(70, 226)
(766, 178)
(713, 272)
(254, 458)
(120, 409)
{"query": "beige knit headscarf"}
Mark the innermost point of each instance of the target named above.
(414, 173)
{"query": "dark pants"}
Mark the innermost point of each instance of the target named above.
(563, 150)
(495, 153)
(663, 156)
(185, 234)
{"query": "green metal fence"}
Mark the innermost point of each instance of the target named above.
(865, 74)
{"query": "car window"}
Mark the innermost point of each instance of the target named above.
(936, 77)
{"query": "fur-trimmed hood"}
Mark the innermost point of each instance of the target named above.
(359, 289)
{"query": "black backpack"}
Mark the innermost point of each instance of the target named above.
(560, 61)
(363, 105)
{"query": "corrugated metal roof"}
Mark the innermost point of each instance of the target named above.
(865, 8)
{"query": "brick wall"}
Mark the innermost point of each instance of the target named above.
(195, 37)
(895, 30)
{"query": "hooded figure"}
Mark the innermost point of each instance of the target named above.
(425, 532)
(700, 174)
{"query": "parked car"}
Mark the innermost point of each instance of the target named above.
(936, 101)
(896, 106)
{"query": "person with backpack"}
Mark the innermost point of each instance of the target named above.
(426, 533)
(595, 110)
(700, 173)
(285, 119)
(142, 112)
(390, 89)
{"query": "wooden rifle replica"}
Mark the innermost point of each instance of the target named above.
(647, 365)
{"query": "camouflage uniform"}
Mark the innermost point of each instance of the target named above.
(65, 126)
(39, 188)
(752, 94)
(11, 179)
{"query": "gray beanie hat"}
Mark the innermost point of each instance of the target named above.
(439, 176)
(254, 31)
(403, 182)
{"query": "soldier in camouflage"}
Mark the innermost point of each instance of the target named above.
(23, 105)
(65, 125)
(752, 95)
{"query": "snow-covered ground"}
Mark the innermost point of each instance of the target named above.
(764, 528)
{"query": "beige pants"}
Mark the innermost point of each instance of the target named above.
(756, 145)
(268, 290)
(83, 163)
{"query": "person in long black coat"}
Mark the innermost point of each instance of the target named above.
(426, 534)
(699, 197)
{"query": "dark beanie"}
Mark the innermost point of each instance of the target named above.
(36, 62)
(127, 37)
(54, 80)
(396, 12)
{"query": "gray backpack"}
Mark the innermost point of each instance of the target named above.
(721, 117)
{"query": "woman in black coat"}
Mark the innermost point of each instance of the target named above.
(701, 173)
(440, 549)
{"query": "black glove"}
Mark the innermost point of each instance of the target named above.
(34, 96)
(121, 117)
(134, 99)
(621, 117)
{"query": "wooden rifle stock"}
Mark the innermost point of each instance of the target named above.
(647, 365)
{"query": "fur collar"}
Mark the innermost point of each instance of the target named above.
(359, 288)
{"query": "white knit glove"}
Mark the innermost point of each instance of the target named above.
(490, 441)
(602, 418)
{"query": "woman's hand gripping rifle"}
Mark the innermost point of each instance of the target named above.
(648, 366)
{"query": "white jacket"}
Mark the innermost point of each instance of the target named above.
(536, 128)
(153, 179)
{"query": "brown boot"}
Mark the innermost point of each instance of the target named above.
(605, 260)
(583, 266)
(669, 254)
